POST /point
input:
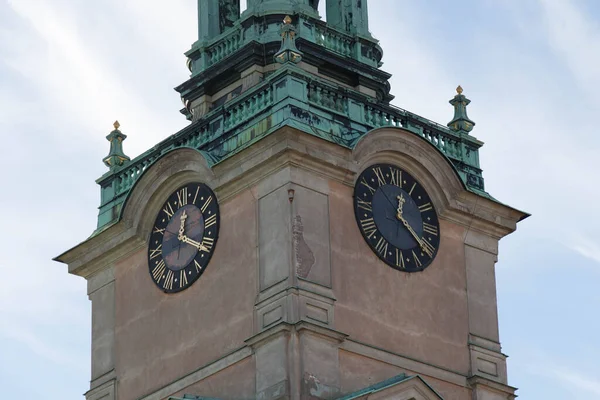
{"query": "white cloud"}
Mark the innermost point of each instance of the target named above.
(586, 247)
(78, 85)
(579, 384)
(87, 63)
(576, 39)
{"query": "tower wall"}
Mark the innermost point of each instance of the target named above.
(294, 303)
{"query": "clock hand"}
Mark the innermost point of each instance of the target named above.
(181, 230)
(182, 226)
(401, 201)
(387, 198)
(417, 238)
(198, 245)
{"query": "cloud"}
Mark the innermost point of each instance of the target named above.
(572, 379)
(81, 86)
(576, 39)
(586, 247)
(59, 356)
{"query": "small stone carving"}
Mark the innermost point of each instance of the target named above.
(304, 259)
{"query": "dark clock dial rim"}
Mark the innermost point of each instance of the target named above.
(200, 190)
(419, 190)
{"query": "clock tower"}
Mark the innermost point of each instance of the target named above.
(301, 238)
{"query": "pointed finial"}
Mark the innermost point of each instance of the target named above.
(116, 157)
(460, 122)
(288, 51)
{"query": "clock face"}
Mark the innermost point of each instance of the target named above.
(183, 238)
(396, 217)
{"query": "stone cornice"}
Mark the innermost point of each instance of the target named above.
(291, 147)
(504, 390)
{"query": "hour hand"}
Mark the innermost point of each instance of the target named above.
(182, 226)
(197, 245)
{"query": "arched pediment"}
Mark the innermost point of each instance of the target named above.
(416, 156)
(172, 170)
(400, 387)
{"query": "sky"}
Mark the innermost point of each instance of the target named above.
(69, 68)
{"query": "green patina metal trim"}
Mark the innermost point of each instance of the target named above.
(116, 157)
(388, 383)
(385, 385)
(376, 387)
(254, 26)
(290, 96)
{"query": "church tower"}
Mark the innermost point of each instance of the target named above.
(301, 238)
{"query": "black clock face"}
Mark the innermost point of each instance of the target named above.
(183, 238)
(396, 217)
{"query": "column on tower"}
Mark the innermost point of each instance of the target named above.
(215, 16)
(349, 15)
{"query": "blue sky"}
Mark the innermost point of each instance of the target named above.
(69, 68)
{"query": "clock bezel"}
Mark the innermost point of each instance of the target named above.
(202, 258)
(359, 214)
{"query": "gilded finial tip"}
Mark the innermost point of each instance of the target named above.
(459, 89)
(287, 20)
(116, 124)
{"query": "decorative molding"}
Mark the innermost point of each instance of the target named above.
(404, 362)
(106, 391)
(484, 388)
(200, 374)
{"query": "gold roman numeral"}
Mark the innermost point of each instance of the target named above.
(206, 204)
(168, 283)
(412, 188)
(169, 210)
(395, 177)
(158, 270)
(183, 281)
(363, 181)
(196, 195)
(182, 196)
(210, 221)
(380, 177)
(417, 261)
(400, 259)
(198, 266)
(431, 229)
(207, 244)
(365, 205)
(425, 207)
(156, 230)
(428, 248)
(368, 226)
(382, 246)
(156, 252)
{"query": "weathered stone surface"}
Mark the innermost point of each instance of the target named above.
(161, 338)
(235, 382)
(323, 314)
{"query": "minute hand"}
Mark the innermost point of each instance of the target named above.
(417, 238)
(198, 245)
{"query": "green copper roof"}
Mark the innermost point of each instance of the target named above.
(359, 393)
(289, 95)
(384, 385)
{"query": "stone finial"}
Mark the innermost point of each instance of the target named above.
(116, 157)
(288, 51)
(461, 121)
